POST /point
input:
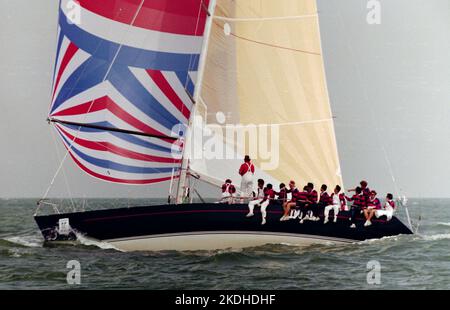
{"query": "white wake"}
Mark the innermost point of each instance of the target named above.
(29, 241)
(436, 237)
(91, 242)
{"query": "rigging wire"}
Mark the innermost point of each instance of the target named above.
(372, 115)
(63, 171)
(58, 170)
(327, 92)
(398, 191)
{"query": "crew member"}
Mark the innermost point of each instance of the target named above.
(365, 190)
(290, 203)
(389, 208)
(258, 199)
(324, 199)
(269, 196)
(228, 191)
(312, 199)
(372, 205)
(359, 203)
(303, 203)
(336, 205)
(246, 171)
(281, 195)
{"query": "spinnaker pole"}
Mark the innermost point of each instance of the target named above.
(197, 91)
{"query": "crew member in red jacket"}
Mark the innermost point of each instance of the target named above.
(312, 199)
(324, 199)
(247, 171)
(372, 205)
(281, 195)
(269, 196)
(303, 203)
(228, 191)
(309, 208)
(359, 203)
(364, 189)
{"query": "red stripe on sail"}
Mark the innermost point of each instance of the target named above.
(106, 103)
(70, 52)
(109, 147)
(170, 93)
(185, 17)
(115, 180)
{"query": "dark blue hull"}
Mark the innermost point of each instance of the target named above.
(208, 219)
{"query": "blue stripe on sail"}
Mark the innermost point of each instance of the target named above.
(92, 72)
(58, 52)
(89, 74)
(128, 85)
(107, 164)
(186, 81)
(123, 136)
(130, 56)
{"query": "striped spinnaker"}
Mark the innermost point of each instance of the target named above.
(129, 65)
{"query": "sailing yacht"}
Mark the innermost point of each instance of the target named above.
(132, 77)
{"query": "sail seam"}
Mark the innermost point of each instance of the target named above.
(281, 124)
(252, 19)
(275, 46)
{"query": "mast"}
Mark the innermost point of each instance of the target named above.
(198, 87)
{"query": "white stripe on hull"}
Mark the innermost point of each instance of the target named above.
(216, 240)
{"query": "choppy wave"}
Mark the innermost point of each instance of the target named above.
(413, 261)
(436, 237)
(380, 240)
(30, 241)
(91, 242)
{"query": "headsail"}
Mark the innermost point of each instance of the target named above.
(129, 65)
(265, 66)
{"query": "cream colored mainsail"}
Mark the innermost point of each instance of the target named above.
(265, 66)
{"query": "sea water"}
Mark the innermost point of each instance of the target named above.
(420, 261)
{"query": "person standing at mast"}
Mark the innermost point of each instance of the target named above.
(246, 171)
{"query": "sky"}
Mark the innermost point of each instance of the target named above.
(389, 86)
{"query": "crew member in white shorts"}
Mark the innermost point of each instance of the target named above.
(246, 171)
(258, 199)
(389, 208)
(335, 206)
